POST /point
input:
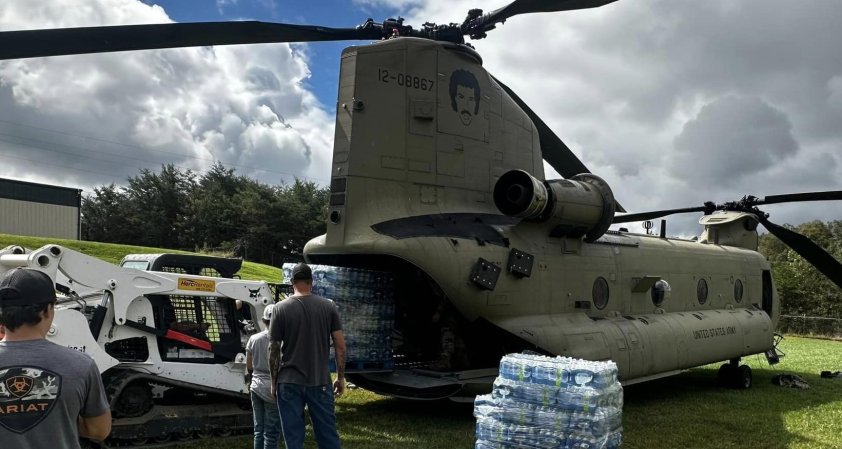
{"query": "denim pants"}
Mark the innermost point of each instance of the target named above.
(267, 423)
(319, 401)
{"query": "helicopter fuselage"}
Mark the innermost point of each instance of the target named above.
(423, 135)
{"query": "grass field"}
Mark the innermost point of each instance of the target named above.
(684, 411)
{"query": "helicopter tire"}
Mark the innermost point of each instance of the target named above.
(727, 374)
(742, 377)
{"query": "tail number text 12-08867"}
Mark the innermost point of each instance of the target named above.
(404, 80)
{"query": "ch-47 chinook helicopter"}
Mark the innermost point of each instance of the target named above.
(437, 177)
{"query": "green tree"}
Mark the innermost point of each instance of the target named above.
(215, 215)
(104, 216)
(218, 210)
(162, 202)
(305, 214)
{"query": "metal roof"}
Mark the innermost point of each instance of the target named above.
(40, 193)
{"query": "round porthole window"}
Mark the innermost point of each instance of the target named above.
(702, 291)
(600, 293)
(738, 290)
(660, 292)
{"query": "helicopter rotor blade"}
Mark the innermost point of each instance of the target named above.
(746, 204)
(797, 197)
(643, 216)
(555, 152)
(69, 41)
(809, 250)
(488, 21)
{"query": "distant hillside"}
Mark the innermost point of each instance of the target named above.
(114, 253)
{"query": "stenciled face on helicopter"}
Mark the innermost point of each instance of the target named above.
(464, 95)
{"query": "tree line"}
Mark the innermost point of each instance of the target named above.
(802, 288)
(219, 211)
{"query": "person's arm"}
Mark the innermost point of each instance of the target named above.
(339, 352)
(274, 363)
(95, 416)
(249, 366)
(95, 428)
(249, 359)
(275, 338)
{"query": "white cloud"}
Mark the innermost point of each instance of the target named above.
(102, 117)
(730, 138)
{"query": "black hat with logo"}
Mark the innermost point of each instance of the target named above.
(24, 286)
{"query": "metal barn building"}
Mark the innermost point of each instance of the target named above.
(40, 210)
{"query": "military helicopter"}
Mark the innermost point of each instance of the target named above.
(437, 177)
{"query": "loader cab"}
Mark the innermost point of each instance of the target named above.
(217, 328)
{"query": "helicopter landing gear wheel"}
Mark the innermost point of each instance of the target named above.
(742, 378)
(733, 375)
(726, 374)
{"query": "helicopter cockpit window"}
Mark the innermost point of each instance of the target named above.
(599, 293)
(738, 290)
(702, 291)
(659, 292)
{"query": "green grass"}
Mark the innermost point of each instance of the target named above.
(113, 253)
(684, 411)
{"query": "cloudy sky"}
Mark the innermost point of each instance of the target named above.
(673, 102)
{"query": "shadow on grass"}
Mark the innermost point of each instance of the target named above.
(692, 411)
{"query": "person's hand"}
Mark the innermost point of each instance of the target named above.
(274, 390)
(339, 387)
(247, 378)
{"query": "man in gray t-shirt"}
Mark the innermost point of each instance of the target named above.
(49, 395)
(303, 325)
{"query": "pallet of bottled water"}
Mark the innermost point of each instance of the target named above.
(551, 402)
(366, 303)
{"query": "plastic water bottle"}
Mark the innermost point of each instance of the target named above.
(514, 368)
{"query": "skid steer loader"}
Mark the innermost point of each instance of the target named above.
(169, 345)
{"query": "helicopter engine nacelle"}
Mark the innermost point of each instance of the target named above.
(730, 229)
(580, 206)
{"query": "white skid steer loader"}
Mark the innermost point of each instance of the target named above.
(169, 346)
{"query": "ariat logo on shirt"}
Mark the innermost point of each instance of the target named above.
(27, 395)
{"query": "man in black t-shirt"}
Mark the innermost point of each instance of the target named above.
(303, 326)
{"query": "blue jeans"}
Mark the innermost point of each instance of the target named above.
(267, 423)
(319, 401)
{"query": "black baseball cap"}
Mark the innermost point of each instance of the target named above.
(302, 272)
(24, 286)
